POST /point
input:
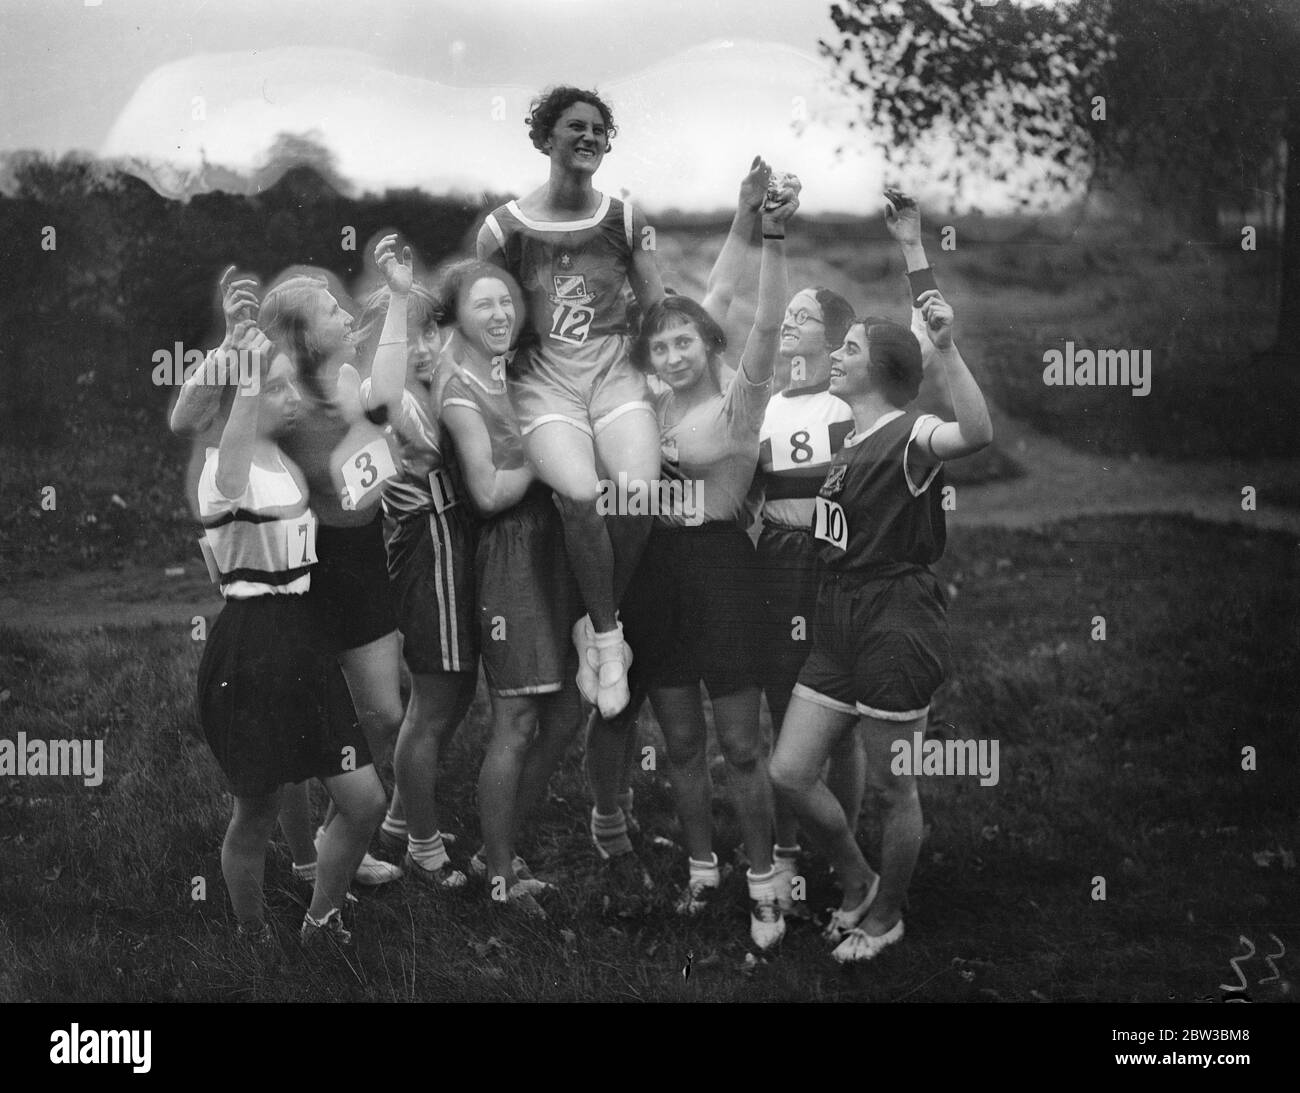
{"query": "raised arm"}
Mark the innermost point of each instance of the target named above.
(742, 240)
(973, 429)
(491, 489)
(643, 275)
(200, 395)
(903, 219)
(759, 356)
(388, 371)
(235, 452)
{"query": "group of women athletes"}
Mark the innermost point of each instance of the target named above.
(498, 408)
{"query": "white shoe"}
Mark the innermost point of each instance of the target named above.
(766, 923)
(523, 875)
(843, 921)
(859, 946)
(786, 870)
(584, 640)
(613, 659)
(372, 872)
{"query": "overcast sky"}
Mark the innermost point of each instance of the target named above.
(432, 92)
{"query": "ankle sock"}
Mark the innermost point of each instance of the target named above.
(610, 832)
(762, 886)
(396, 828)
(428, 853)
(706, 872)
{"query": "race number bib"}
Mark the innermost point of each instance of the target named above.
(364, 472)
(830, 524)
(802, 448)
(444, 494)
(210, 560)
(571, 323)
(301, 541)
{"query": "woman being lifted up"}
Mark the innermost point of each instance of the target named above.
(580, 403)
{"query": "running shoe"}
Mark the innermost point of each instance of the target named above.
(844, 921)
(697, 897)
(766, 923)
(523, 875)
(330, 928)
(858, 945)
(445, 876)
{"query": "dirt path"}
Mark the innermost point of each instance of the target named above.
(1060, 483)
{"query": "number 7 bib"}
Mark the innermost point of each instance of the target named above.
(300, 535)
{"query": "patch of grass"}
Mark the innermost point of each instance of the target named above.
(118, 481)
(1118, 759)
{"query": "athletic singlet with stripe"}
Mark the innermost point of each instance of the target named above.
(871, 511)
(802, 429)
(573, 272)
(712, 451)
(423, 467)
(489, 399)
(263, 542)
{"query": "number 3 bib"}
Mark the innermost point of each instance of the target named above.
(364, 473)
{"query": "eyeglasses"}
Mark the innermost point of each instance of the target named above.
(802, 317)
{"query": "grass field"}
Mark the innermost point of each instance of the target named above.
(1119, 758)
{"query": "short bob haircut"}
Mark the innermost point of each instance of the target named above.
(456, 280)
(668, 311)
(545, 111)
(422, 312)
(894, 357)
(837, 314)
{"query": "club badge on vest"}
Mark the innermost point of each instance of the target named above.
(834, 480)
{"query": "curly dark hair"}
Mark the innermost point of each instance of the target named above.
(456, 279)
(545, 111)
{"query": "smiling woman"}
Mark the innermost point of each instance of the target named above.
(578, 399)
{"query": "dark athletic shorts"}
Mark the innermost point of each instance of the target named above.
(690, 612)
(880, 643)
(528, 599)
(349, 585)
(272, 699)
(789, 573)
(431, 578)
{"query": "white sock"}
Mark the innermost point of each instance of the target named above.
(762, 886)
(706, 872)
(394, 827)
(428, 853)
